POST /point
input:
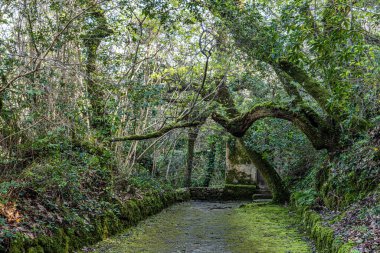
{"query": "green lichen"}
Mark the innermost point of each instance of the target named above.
(233, 176)
(237, 157)
(37, 249)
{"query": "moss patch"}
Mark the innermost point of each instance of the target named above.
(229, 192)
(267, 228)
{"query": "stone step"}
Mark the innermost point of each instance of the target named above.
(262, 196)
(263, 191)
(261, 200)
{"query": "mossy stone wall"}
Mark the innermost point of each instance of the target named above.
(323, 235)
(240, 169)
(228, 192)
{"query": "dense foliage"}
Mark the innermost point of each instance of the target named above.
(103, 97)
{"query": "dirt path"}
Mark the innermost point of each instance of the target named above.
(212, 227)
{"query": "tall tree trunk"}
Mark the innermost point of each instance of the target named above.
(92, 40)
(210, 164)
(192, 137)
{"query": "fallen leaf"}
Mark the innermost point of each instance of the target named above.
(10, 212)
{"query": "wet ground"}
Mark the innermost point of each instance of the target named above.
(212, 227)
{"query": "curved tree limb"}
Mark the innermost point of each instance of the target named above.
(239, 125)
(316, 129)
(270, 175)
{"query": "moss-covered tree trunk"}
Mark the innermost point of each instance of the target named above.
(279, 191)
(271, 177)
(192, 138)
(210, 164)
(96, 33)
(2, 94)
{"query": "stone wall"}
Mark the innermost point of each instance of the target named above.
(240, 169)
(322, 234)
(228, 192)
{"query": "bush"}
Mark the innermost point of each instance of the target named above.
(305, 198)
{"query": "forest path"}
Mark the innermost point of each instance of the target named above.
(199, 226)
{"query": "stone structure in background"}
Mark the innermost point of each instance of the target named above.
(240, 169)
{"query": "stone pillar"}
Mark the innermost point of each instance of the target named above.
(240, 169)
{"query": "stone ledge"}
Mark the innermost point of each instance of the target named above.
(323, 235)
(228, 192)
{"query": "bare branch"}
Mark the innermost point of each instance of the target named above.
(158, 133)
(47, 51)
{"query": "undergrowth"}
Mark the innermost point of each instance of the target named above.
(65, 187)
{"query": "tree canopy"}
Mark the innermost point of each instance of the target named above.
(114, 73)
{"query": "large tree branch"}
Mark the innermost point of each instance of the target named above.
(315, 128)
(158, 133)
(239, 125)
(312, 87)
(289, 86)
(224, 98)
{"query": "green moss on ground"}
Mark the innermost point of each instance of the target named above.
(146, 236)
(267, 228)
(212, 227)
